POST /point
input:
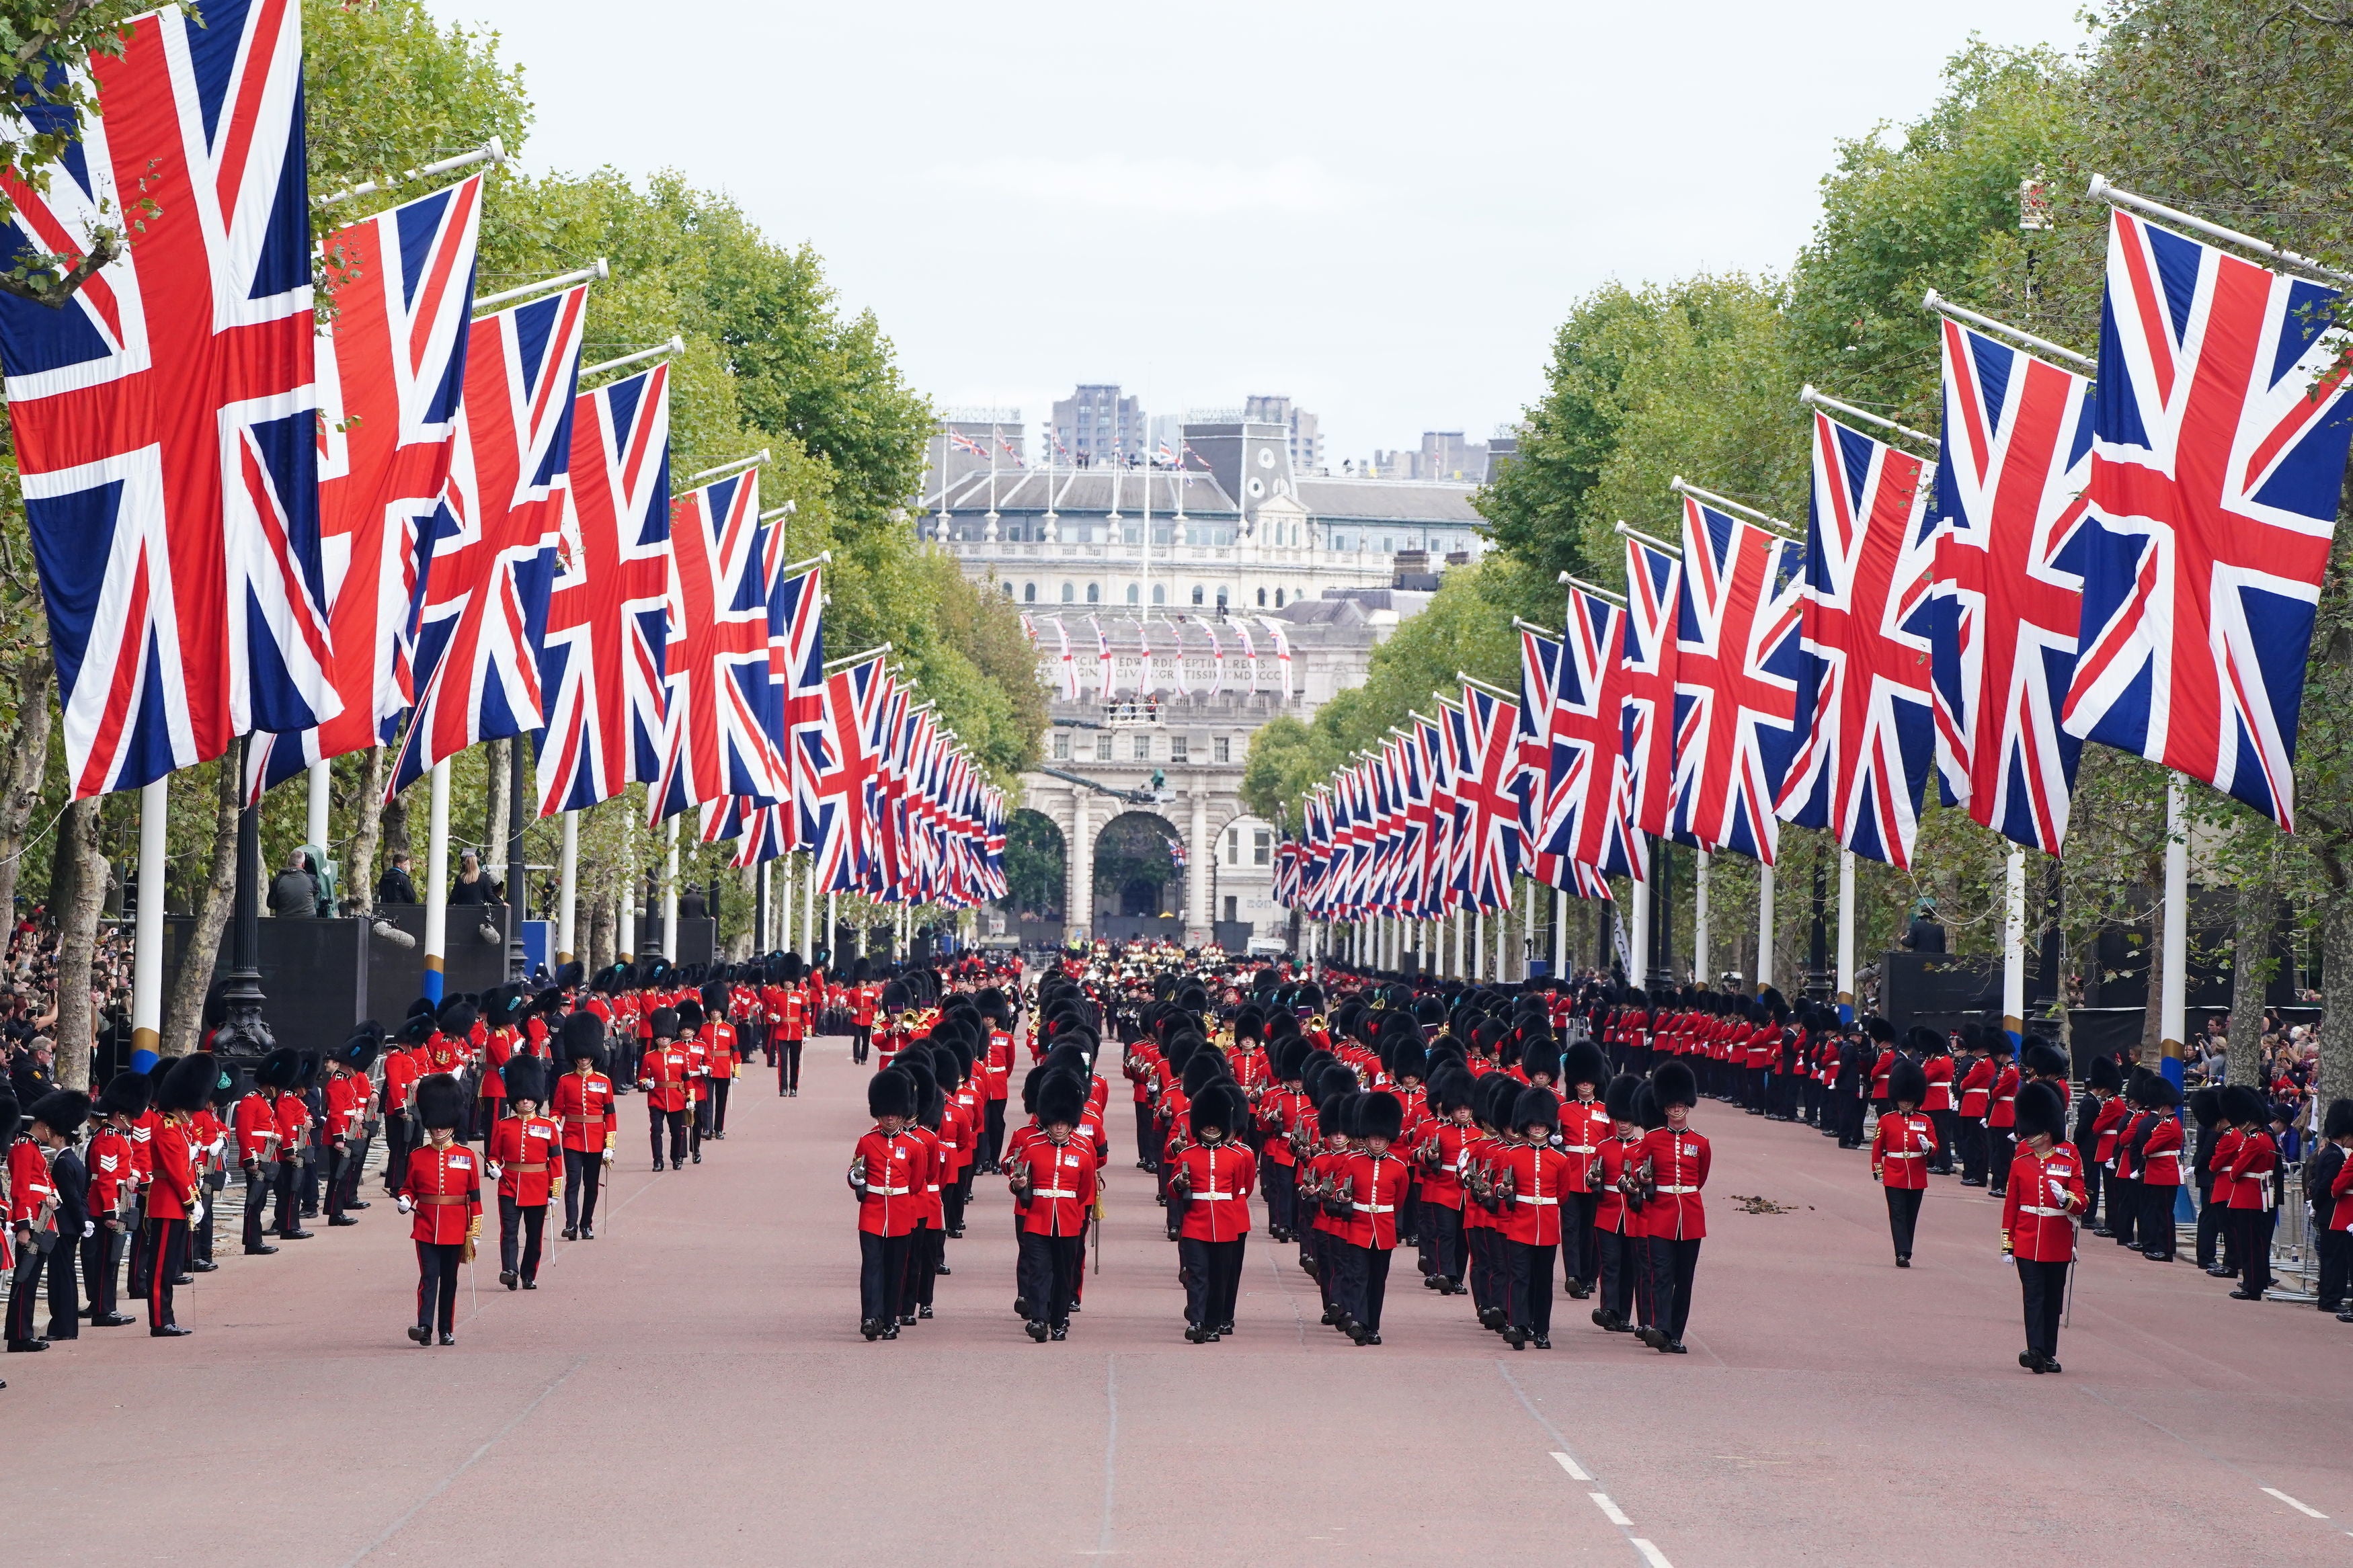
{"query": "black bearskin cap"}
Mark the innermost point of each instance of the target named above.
(690, 1019)
(358, 1051)
(2159, 1094)
(128, 1094)
(278, 1069)
(1062, 1097)
(714, 1000)
(1618, 1099)
(2104, 1073)
(1879, 1029)
(2041, 1109)
(2038, 1057)
(8, 1119)
(2244, 1102)
(891, 1093)
(457, 1017)
(1221, 1107)
(525, 1078)
(583, 1036)
(1923, 1040)
(1674, 1084)
(1646, 1108)
(1535, 1107)
(440, 1100)
(1381, 1115)
(1907, 1082)
(2206, 1106)
(2336, 1122)
(1583, 1063)
(188, 1086)
(61, 1110)
(664, 1023)
(895, 996)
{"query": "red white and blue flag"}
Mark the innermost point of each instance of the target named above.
(1736, 681)
(1863, 700)
(796, 655)
(718, 711)
(164, 418)
(2219, 441)
(1584, 786)
(496, 534)
(1653, 596)
(1489, 789)
(601, 658)
(2009, 594)
(391, 370)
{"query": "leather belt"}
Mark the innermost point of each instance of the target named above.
(583, 1121)
(1906, 1154)
(439, 1198)
(1674, 1189)
(2044, 1212)
(1545, 1203)
(1376, 1208)
(891, 1192)
(541, 1166)
(1217, 1197)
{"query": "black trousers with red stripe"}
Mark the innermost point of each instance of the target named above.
(160, 1244)
(437, 1283)
(1527, 1290)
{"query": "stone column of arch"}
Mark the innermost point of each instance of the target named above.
(1079, 862)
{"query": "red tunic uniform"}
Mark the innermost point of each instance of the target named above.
(1902, 1148)
(2046, 1190)
(1539, 1174)
(1376, 1184)
(1679, 1162)
(584, 1108)
(524, 1152)
(1220, 1178)
(662, 1074)
(1061, 1185)
(445, 1183)
(889, 1173)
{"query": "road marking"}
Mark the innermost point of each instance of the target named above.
(1615, 1514)
(1571, 1466)
(2301, 1508)
(1110, 1450)
(1568, 1461)
(395, 1526)
(1650, 1555)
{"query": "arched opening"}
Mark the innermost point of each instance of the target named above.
(1034, 876)
(1139, 879)
(1131, 593)
(1261, 598)
(1160, 593)
(1094, 592)
(1029, 593)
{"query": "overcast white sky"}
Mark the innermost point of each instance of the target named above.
(1381, 209)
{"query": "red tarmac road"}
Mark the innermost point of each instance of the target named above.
(690, 1389)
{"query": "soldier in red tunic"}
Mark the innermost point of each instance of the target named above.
(525, 1159)
(583, 1108)
(1532, 1178)
(887, 1175)
(663, 1073)
(1209, 1188)
(1372, 1179)
(2043, 1193)
(1053, 1183)
(1676, 1217)
(443, 1187)
(1901, 1150)
(172, 1199)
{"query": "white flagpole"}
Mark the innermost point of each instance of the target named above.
(2172, 1019)
(760, 942)
(1764, 927)
(147, 943)
(1561, 932)
(2013, 946)
(1478, 942)
(669, 890)
(1846, 935)
(832, 914)
(626, 939)
(810, 943)
(568, 889)
(1637, 931)
(314, 820)
(436, 878)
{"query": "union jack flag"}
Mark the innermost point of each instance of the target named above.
(1653, 593)
(839, 849)
(165, 417)
(391, 370)
(1585, 790)
(601, 660)
(1489, 789)
(1736, 681)
(717, 715)
(2010, 511)
(2218, 440)
(797, 637)
(1437, 892)
(496, 534)
(1862, 691)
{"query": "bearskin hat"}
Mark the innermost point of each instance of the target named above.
(440, 1100)
(583, 1035)
(1222, 1106)
(501, 1006)
(1061, 1097)
(1383, 1116)
(2335, 1122)
(2244, 1102)
(1617, 1098)
(2104, 1073)
(690, 1019)
(890, 1093)
(1879, 1029)
(896, 998)
(1583, 1063)
(457, 1017)
(1203, 1068)
(1289, 1057)
(8, 1119)
(1448, 1087)
(2206, 1106)
(358, 1051)
(1906, 1083)
(1406, 1058)
(1539, 1057)
(664, 1023)
(714, 1000)
(1647, 1110)
(2040, 1108)
(2159, 1094)
(278, 1069)
(1331, 1116)
(1535, 1107)
(525, 1078)
(1674, 1084)
(2038, 1057)
(1492, 1100)
(1923, 1041)
(126, 1094)
(61, 1110)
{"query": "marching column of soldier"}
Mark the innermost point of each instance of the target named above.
(1372, 1113)
(501, 1105)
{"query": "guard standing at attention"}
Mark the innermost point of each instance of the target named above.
(884, 1174)
(1676, 1217)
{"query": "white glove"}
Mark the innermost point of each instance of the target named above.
(493, 1170)
(2010, 1260)
(196, 1216)
(608, 1156)
(89, 1229)
(403, 1205)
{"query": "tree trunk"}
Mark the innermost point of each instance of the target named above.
(77, 943)
(494, 813)
(2152, 1022)
(360, 880)
(2335, 995)
(183, 1011)
(395, 827)
(22, 775)
(2251, 967)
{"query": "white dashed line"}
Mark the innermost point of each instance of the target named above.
(1650, 1555)
(1615, 1514)
(2305, 1509)
(1569, 1465)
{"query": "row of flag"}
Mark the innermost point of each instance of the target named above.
(2129, 552)
(409, 525)
(1162, 668)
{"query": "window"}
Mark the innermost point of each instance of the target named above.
(1160, 593)
(1029, 593)
(1197, 593)
(1262, 847)
(1261, 598)
(1103, 747)
(1132, 596)
(1178, 746)
(1390, 546)
(1229, 909)
(1278, 599)
(1221, 600)
(1143, 748)
(1061, 746)
(1069, 593)
(1219, 749)
(1094, 592)
(1008, 589)
(1233, 846)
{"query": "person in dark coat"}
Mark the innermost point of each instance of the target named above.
(394, 886)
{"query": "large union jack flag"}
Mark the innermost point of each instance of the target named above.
(1863, 695)
(719, 714)
(391, 369)
(2219, 444)
(602, 659)
(1736, 681)
(494, 548)
(2009, 516)
(855, 697)
(1587, 820)
(797, 666)
(1653, 589)
(165, 418)
(1489, 787)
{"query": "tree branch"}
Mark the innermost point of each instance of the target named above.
(104, 249)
